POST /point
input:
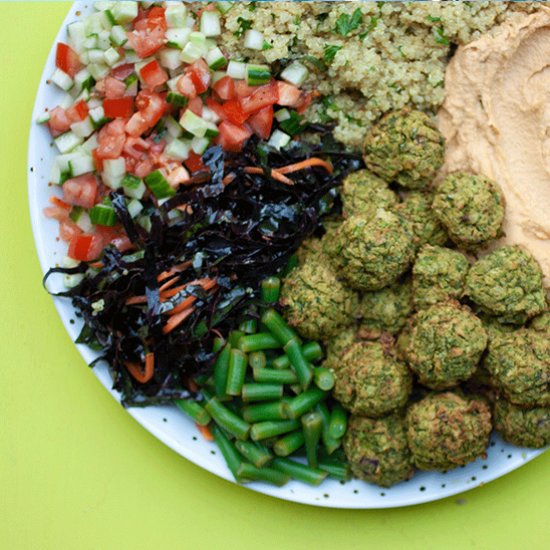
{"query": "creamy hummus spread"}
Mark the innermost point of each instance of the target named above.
(496, 122)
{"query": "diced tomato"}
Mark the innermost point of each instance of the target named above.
(122, 71)
(186, 87)
(216, 108)
(59, 122)
(142, 168)
(111, 139)
(122, 107)
(146, 42)
(200, 75)
(232, 137)
(261, 122)
(136, 147)
(122, 243)
(57, 213)
(194, 162)
(150, 20)
(56, 201)
(113, 88)
(78, 112)
(81, 191)
(68, 229)
(151, 106)
(289, 95)
(261, 97)
(225, 88)
(98, 162)
(67, 59)
(303, 104)
(195, 106)
(234, 112)
(153, 74)
(242, 89)
(85, 248)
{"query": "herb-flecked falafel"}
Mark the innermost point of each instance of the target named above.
(338, 345)
(372, 253)
(507, 283)
(443, 344)
(404, 147)
(316, 303)
(446, 430)
(371, 381)
(377, 449)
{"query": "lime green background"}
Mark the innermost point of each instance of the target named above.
(77, 472)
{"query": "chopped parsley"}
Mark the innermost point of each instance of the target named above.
(244, 25)
(433, 19)
(252, 6)
(371, 26)
(292, 125)
(266, 46)
(327, 104)
(345, 24)
(317, 63)
(330, 52)
(439, 35)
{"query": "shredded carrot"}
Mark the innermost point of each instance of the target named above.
(176, 320)
(205, 432)
(167, 284)
(308, 163)
(275, 174)
(135, 300)
(58, 202)
(143, 376)
(228, 179)
(206, 284)
(171, 292)
(173, 270)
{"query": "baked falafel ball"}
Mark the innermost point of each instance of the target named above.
(363, 193)
(438, 276)
(427, 229)
(372, 253)
(507, 283)
(338, 345)
(385, 310)
(443, 344)
(446, 430)
(405, 147)
(316, 303)
(377, 449)
(371, 381)
(519, 363)
(541, 323)
(522, 427)
(471, 208)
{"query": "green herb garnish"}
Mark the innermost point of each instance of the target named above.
(330, 52)
(345, 24)
(244, 25)
(439, 35)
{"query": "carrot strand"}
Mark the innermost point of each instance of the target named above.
(143, 376)
(308, 163)
(275, 174)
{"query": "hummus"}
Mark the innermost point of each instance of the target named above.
(496, 122)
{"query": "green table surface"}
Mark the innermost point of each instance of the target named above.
(77, 472)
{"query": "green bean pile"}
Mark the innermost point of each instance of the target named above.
(266, 400)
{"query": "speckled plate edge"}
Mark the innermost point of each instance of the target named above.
(177, 432)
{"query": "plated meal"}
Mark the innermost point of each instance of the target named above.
(316, 230)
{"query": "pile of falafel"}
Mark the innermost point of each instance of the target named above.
(434, 337)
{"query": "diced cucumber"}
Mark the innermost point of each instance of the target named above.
(84, 222)
(131, 56)
(175, 15)
(108, 19)
(77, 35)
(192, 52)
(218, 75)
(190, 22)
(91, 42)
(100, 6)
(172, 127)
(104, 39)
(210, 23)
(295, 73)
(177, 38)
(134, 207)
(83, 128)
(81, 165)
(237, 70)
(43, 118)
(98, 70)
(178, 149)
(72, 280)
(84, 80)
(96, 56)
(193, 124)
(113, 172)
(253, 40)
(62, 80)
(211, 130)
(118, 36)
(124, 12)
(279, 139)
(209, 115)
(224, 7)
(103, 214)
(111, 56)
(177, 99)
(215, 59)
(200, 145)
(158, 185)
(282, 114)
(67, 142)
(170, 58)
(133, 187)
(84, 57)
(172, 84)
(145, 222)
(98, 118)
(65, 101)
(257, 74)
(93, 24)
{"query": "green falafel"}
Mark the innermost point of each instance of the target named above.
(363, 193)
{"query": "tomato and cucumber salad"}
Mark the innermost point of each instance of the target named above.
(146, 89)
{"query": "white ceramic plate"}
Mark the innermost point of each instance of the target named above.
(173, 428)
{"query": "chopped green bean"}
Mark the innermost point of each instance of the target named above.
(254, 452)
(311, 351)
(298, 363)
(273, 376)
(312, 424)
(228, 450)
(258, 342)
(338, 422)
(271, 288)
(257, 360)
(250, 326)
(218, 344)
(278, 327)
(324, 378)
(335, 468)
(264, 411)
(227, 419)
(272, 428)
(234, 337)
(195, 411)
(303, 403)
(236, 372)
(298, 471)
(248, 472)
(289, 443)
(329, 442)
(221, 368)
(296, 389)
(261, 392)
